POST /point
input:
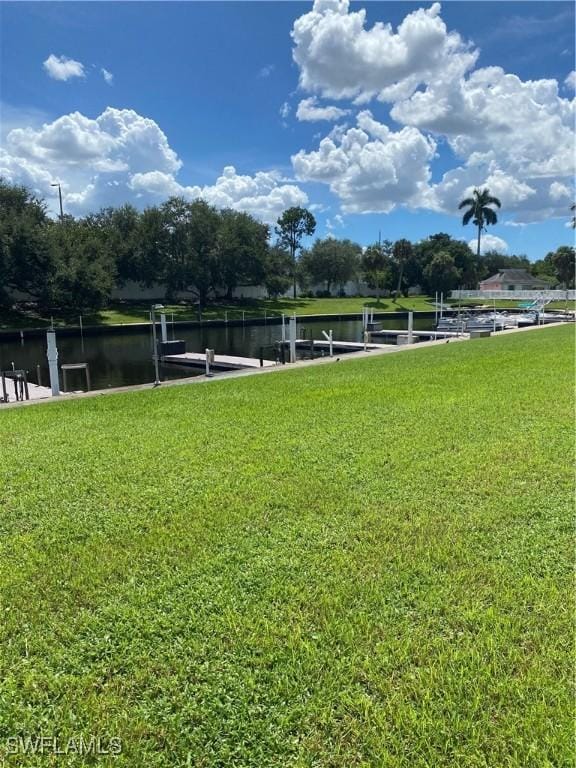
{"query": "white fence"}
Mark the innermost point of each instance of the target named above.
(132, 291)
(526, 295)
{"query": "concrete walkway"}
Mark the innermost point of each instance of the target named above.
(35, 392)
(383, 350)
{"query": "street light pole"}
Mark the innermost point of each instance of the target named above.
(155, 343)
(60, 197)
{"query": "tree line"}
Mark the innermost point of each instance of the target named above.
(76, 263)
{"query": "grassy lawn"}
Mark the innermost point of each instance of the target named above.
(366, 563)
(135, 312)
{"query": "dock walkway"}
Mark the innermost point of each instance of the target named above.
(337, 346)
(35, 392)
(270, 368)
(418, 334)
(222, 362)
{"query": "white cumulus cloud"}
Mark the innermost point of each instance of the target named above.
(514, 136)
(340, 58)
(108, 76)
(460, 183)
(118, 139)
(559, 191)
(524, 125)
(121, 156)
(63, 68)
(570, 80)
(489, 243)
(264, 195)
(369, 167)
(308, 110)
(335, 223)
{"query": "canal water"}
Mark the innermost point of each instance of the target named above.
(123, 358)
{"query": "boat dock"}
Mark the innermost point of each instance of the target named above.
(268, 368)
(428, 335)
(221, 362)
(35, 392)
(337, 346)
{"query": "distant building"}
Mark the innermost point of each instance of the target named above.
(513, 280)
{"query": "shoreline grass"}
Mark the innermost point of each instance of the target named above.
(139, 312)
(360, 564)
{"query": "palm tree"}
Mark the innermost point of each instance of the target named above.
(573, 208)
(479, 211)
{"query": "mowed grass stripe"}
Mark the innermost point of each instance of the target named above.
(358, 564)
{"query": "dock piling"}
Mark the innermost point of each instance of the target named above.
(329, 339)
(163, 328)
(209, 361)
(52, 355)
(292, 333)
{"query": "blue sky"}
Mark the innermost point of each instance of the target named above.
(375, 127)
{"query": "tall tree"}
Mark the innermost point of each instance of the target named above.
(84, 271)
(376, 265)
(241, 249)
(464, 260)
(25, 255)
(278, 271)
(292, 226)
(152, 249)
(479, 211)
(203, 234)
(441, 274)
(563, 262)
(492, 262)
(190, 232)
(401, 254)
(331, 261)
(120, 228)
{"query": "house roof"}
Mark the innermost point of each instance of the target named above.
(513, 276)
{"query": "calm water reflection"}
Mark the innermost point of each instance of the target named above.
(121, 359)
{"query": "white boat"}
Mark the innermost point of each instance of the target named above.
(555, 317)
(494, 321)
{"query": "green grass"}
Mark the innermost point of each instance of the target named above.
(135, 312)
(364, 563)
(302, 306)
(139, 312)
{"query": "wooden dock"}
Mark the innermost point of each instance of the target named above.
(342, 346)
(433, 335)
(337, 346)
(35, 392)
(221, 362)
